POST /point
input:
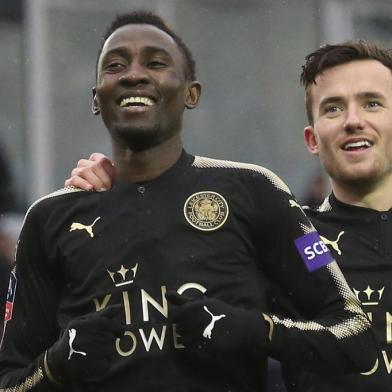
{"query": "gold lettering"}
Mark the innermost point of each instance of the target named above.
(133, 347)
(176, 335)
(191, 285)
(372, 370)
(388, 317)
(153, 336)
(388, 362)
(99, 306)
(127, 307)
(146, 299)
(370, 315)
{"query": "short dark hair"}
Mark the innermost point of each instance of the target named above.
(147, 17)
(329, 56)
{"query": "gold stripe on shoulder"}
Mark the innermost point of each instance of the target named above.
(28, 384)
(204, 162)
(59, 192)
(307, 228)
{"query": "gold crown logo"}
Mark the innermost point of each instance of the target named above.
(122, 276)
(369, 296)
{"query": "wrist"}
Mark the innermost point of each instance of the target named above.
(49, 373)
(253, 332)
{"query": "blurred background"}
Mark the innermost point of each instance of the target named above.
(248, 56)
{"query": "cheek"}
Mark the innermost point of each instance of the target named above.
(326, 135)
(172, 82)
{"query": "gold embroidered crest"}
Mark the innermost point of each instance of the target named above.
(206, 210)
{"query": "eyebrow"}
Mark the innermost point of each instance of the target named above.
(155, 49)
(366, 94)
(122, 51)
(328, 100)
(371, 94)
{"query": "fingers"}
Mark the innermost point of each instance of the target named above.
(100, 325)
(97, 173)
(111, 311)
(96, 156)
(111, 318)
(78, 183)
(103, 168)
(176, 299)
(107, 314)
(89, 175)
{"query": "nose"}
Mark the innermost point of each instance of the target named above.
(134, 75)
(353, 120)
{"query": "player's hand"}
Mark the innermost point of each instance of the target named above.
(210, 328)
(85, 350)
(96, 173)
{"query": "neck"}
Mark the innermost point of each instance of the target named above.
(376, 196)
(137, 166)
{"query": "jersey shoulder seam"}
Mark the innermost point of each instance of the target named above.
(58, 192)
(207, 163)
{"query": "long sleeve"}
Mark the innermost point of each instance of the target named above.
(326, 331)
(30, 327)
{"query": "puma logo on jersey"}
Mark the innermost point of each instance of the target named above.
(208, 330)
(334, 244)
(80, 226)
(72, 336)
(293, 203)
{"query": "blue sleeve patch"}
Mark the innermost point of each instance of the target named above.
(313, 251)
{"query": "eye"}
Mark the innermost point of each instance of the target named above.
(156, 63)
(331, 110)
(373, 105)
(114, 66)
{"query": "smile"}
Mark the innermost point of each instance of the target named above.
(136, 101)
(357, 145)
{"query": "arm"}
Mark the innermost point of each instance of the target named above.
(327, 330)
(35, 353)
(35, 299)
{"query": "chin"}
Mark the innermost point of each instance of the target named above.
(356, 176)
(140, 142)
(140, 139)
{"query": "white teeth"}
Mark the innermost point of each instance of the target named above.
(144, 100)
(359, 144)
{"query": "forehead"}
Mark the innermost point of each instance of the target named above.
(136, 37)
(352, 78)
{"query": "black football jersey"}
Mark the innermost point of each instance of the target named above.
(222, 229)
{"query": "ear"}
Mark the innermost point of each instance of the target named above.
(311, 140)
(193, 95)
(95, 103)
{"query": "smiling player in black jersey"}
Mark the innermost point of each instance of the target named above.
(160, 284)
(349, 105)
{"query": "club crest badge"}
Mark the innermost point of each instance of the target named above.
(206, 211)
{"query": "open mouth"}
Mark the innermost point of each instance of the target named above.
(357, 145)
(136, 101)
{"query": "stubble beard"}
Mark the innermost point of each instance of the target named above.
(361, 180)
(141, 139)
